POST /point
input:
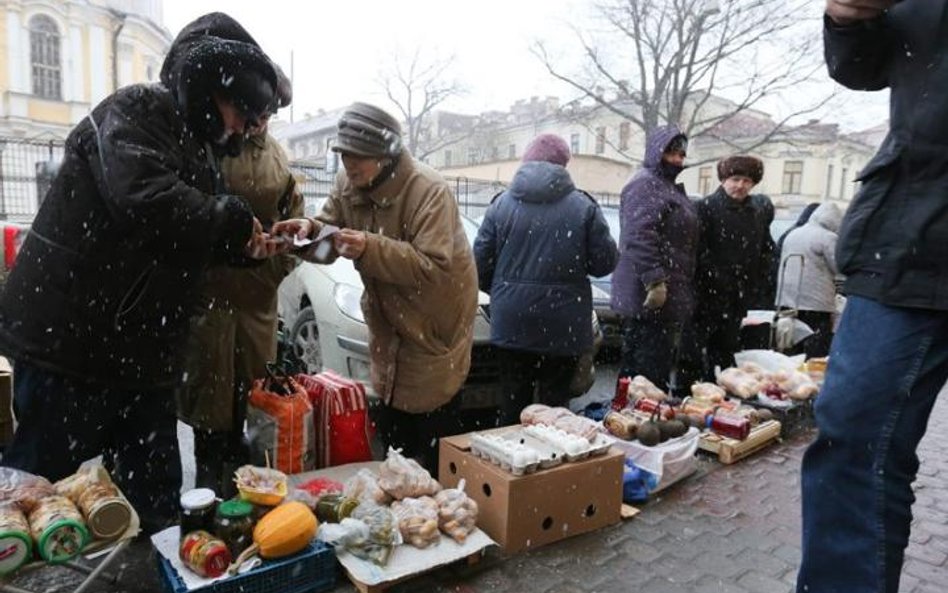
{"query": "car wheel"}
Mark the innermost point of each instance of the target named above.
(305, 340)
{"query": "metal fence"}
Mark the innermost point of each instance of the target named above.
(26, 171)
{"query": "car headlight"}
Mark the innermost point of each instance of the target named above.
(349, 300)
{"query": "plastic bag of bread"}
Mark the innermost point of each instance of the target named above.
(417, 520)
(551, 415)
(364, 487)
(402, 477)
(640, 387)
(738, 382)
(531, 413)
(708, 392)
(23, 488)
(754, 369)
(457, 512)
(796, 385)
(579, 426)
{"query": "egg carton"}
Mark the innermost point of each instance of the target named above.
(550, 456)
(601, 445)
(572, 448)
(514, 457)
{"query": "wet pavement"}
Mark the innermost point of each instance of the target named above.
(724, 529)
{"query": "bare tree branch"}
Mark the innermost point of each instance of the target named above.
(418, 85)
(700, 64)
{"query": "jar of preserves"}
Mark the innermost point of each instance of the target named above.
(333, 508)
(204, 554)
(233, 523)
(197, 510)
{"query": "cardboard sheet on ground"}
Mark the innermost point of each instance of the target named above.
(405, 560)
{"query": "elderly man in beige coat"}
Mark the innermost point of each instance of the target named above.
(399, 223)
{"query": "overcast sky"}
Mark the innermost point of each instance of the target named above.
(338, 47)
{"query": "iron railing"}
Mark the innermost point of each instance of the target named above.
(26, 170)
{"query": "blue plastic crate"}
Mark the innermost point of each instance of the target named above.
(311, 571)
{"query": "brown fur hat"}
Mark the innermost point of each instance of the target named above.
(747, 166)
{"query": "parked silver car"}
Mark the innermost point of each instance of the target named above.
(320, 305)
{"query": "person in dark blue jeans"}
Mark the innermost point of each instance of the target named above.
(889, 359)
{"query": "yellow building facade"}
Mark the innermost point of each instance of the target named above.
(59, 58)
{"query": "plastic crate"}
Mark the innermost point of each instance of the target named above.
(311, 571)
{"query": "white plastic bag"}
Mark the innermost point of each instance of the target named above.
(669, 462)
(769, 360)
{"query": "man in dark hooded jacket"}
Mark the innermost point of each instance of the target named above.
(889, 359)
(96, 312)
(653, 285)
(540, 241)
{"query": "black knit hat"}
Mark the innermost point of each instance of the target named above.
(745, 166)
(366, 130)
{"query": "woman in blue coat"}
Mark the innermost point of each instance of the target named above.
(540, 241)
(653, 284)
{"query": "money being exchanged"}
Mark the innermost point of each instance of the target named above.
(316, 249)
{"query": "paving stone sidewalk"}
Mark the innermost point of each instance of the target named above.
(727, 529)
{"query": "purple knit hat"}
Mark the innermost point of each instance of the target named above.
(547, 147)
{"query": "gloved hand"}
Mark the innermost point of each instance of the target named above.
(657, 294)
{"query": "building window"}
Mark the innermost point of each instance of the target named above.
(792, 177)
(600, 140)
(842, 184)
(829, 180)
(574, 143)
(447, 158)
(625, 132)
(704, 181)
(45, 59)
(512, 151)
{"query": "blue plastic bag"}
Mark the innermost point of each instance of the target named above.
(636, 483)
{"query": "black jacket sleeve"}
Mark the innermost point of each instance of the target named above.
(859, 56)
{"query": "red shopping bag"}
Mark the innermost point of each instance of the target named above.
(341, 418)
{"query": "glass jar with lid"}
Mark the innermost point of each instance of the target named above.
(233, 523)
(333, 508)
(197, 510)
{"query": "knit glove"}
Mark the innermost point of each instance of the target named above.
(657, 293)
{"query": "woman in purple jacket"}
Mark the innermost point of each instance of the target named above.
(653, 283)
